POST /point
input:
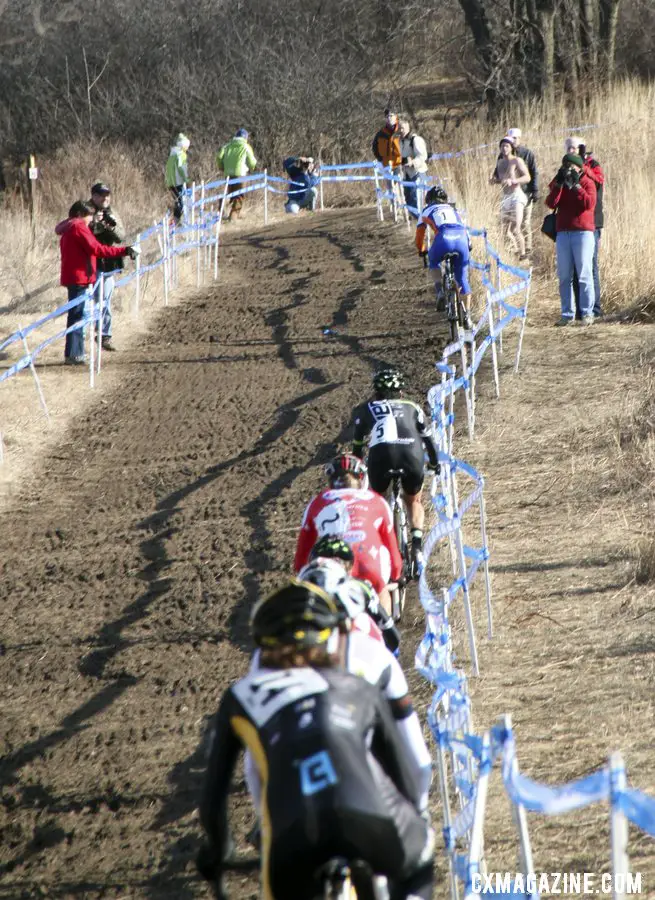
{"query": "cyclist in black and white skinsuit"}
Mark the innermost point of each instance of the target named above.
(334, 777)
(398, 435)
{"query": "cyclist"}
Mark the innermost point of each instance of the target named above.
(397, 434)
(356, 595)
(361, 518)
(450, 236)
(364, 654)
(339, 784)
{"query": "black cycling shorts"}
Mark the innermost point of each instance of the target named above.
(408, 457)
(296, 855)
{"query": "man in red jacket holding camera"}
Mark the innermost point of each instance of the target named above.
(572, 194)
(79, 250)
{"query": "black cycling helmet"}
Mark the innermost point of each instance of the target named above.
(388, 382)
(436, 195)
(345, 464)
(299, 613)
(331, 547)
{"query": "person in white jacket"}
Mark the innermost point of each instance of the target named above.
(414, 153)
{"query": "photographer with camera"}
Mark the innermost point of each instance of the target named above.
(594, 170)
(304, 180)
(108, 229)
(572, 195)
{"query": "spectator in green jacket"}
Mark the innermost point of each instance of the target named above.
(177, 173)
(235, 159)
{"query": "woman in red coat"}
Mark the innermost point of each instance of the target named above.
(79, 249)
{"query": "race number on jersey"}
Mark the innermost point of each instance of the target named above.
(385, 429)
(444, 214)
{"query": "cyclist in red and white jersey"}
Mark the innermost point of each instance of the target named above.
(360, 517)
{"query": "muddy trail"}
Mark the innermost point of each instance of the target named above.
(131, 561)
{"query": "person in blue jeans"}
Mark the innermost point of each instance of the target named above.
(108, 229)
(572, 194)
(302, 193)
(595, 172)
(415, 166)
(450, 236)
(79, 252)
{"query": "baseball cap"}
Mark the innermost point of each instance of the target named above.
(514, 133)
(100, 188)
(242, 133)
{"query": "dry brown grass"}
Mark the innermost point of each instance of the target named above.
(573, 654)
(627, 270)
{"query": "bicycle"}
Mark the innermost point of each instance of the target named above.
(401, 528)
(344, 880)
(456, 312)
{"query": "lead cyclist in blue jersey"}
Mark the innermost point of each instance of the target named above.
(450, 236)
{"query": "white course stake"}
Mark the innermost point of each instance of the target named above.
(523, 321)
(618, 828)
(378, 199)
(265, 196)
(35, 376)
(137, 278)
(101, 309)
(320, 185)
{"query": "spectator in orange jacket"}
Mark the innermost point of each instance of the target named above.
(386, 143)
(386, 149)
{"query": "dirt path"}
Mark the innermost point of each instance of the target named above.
(129, 570)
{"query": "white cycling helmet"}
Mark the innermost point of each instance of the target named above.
(330, 575)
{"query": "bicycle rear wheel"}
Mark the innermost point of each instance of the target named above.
(402, 536)
(451, 308)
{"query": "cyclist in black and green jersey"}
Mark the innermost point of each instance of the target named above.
(397, 434)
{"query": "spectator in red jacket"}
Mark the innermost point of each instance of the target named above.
(79, 249)
(572, 194)
(594, 170)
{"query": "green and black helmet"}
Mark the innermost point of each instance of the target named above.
(388, 382)
(331, 547)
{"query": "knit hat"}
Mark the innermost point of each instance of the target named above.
(573, 159)
(242, 133)
(573, 141)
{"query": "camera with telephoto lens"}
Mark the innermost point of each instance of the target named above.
(571, 178)
(108, 219)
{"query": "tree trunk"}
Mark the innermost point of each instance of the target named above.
(608, 17)
(588, 41)
(546, 22)
(476, 19)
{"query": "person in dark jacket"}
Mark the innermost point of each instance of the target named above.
(302, 192)
(572, 194)
(531, 189)
(79, 249)
(108, 228)
(595, 172)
